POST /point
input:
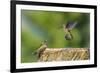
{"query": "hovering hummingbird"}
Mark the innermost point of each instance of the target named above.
(41, 49)
(67, 29)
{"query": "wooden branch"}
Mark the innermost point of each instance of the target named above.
(65, 54)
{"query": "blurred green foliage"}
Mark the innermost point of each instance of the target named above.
(38, 26)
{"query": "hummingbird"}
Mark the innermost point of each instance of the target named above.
(41, 49)
(68, 28)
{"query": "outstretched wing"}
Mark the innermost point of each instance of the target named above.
(71, 25)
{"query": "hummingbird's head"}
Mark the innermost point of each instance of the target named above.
(44, 42)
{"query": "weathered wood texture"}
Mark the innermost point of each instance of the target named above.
(66, 54)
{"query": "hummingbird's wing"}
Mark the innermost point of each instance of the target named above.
(70, 25)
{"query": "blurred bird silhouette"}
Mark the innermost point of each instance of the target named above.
(41, 49)
(67, 29)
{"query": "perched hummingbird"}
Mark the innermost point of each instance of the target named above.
(67, 29)
(41, 49)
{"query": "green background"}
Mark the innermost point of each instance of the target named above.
(37, 26)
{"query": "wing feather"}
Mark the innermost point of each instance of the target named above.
(71, 25)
